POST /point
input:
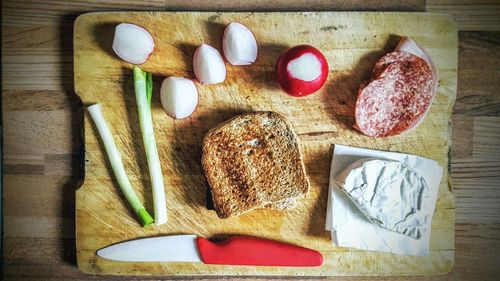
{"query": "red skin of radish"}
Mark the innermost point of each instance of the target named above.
(294, 86)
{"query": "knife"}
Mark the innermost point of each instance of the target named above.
(237, 250)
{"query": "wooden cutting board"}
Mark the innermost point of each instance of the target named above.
(352, 42)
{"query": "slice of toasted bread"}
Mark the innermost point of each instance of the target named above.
(253, 161)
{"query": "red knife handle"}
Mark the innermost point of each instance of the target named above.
(244, 250)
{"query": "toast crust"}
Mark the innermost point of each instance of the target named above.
(253, 160)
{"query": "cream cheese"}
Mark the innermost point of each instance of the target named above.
(389, 193)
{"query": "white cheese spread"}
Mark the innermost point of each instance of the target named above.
(389, 193)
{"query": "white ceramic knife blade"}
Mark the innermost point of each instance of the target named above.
(237, 250)
(173, 248)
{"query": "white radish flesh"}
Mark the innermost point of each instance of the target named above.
(179, 97)
(239, 44)
(208, 65)
(133, 43)
(306, 67)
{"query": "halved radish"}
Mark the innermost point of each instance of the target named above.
(133, 43)
(302, 70)
(179, 97)
(208, 65)
(239, 44)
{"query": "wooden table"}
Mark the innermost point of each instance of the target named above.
(42, 120)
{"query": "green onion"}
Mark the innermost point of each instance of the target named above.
(143, 83)
(117, 165)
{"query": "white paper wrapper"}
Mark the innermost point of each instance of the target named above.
(350, 228)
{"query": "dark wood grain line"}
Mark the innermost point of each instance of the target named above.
(479, 69)
(64, 164)
(315, 134)
(470, 15)
(42, 196)
(45, 100)
(26, 169)
(50, 11)
(462, 137)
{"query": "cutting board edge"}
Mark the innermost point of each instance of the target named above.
(91, 271)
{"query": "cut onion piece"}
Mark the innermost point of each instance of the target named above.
(179, 97)
(239, 44)
(208, 65)
(132, 43)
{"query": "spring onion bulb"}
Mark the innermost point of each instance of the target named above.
(143, 84)
(117, 165)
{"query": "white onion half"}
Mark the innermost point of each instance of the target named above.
(239, 44)
(179, 97)
(208, 65)
(133, 43)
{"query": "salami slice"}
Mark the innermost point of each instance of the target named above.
(398, 96)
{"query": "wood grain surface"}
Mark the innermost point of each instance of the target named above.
(42, 121)
(351, 42)
(470, 15)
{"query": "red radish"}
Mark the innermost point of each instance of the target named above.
(133, 43)
(209, 67)
(239, 44)
(302, 70)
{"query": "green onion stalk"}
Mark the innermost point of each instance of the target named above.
(117, 164)
(143, 84)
